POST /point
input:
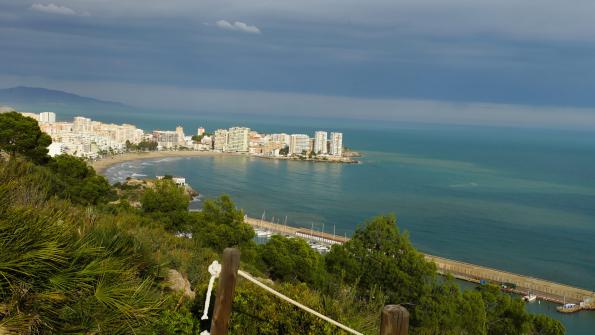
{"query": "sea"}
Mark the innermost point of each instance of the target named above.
(516, 199)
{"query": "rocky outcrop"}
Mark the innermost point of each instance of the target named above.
(177, 282)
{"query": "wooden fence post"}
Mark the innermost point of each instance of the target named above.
(225, 290)
(394, 320)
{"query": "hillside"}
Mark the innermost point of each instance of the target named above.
(34, 95)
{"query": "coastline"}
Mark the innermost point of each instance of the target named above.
(100, 165)
(104, 163)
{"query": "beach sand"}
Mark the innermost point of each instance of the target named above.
(102, 164)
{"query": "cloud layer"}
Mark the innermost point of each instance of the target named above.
(505, 52)
(277, 104)
(53, 9)
(550, 19)
(237, 26)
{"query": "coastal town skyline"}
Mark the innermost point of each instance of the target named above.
(87, 138)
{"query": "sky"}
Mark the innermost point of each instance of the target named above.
(457, 61)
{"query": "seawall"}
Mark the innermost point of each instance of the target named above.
(543, 289)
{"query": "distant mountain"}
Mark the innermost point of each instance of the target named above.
(34, 96)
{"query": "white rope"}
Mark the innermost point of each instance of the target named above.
(295, 303)
(214, 270)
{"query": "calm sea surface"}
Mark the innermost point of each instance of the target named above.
(514, 199)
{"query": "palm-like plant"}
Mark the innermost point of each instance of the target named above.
(64, 270)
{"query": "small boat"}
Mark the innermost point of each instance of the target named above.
(568, 308)
(321, 249)
(263, 233)
(530, 297)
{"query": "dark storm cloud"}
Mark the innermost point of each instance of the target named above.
(510, 52)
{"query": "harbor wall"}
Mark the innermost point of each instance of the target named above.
(543, 289)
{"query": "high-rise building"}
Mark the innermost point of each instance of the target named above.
(221, 140)
(320, 138)
(180, 132)
(298, 143)
(47, 117)
(336, 147)
(238, 139)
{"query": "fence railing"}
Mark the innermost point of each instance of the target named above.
(394, 319)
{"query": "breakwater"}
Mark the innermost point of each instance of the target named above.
(520, 284)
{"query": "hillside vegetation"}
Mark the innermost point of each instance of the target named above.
(77, 258)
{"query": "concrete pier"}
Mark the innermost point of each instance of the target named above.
(300, 232)
(543, 289)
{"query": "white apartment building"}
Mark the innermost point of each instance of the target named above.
(166, 138)
(54, 129)
(181, 136)
(82, 125)
(320, 139)
(238, 139)
(47, 117)
(207, 140)
(87, 138)
(221, 139)
(336, 147)
(119, 133)
(298, 143)
(56, 149)
(284, 138)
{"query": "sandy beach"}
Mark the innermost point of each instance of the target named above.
(102, 164)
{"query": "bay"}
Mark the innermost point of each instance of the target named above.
(521, 200)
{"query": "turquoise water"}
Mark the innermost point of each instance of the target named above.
(514, 199)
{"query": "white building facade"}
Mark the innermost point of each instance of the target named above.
(47, 117)
(181, 136)
(56, 149)
(166, 139)
(220, 140)
(336, 147)
(283, 138)
(320, 142)
(82, 125)
(238, 139)
(298, 143)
